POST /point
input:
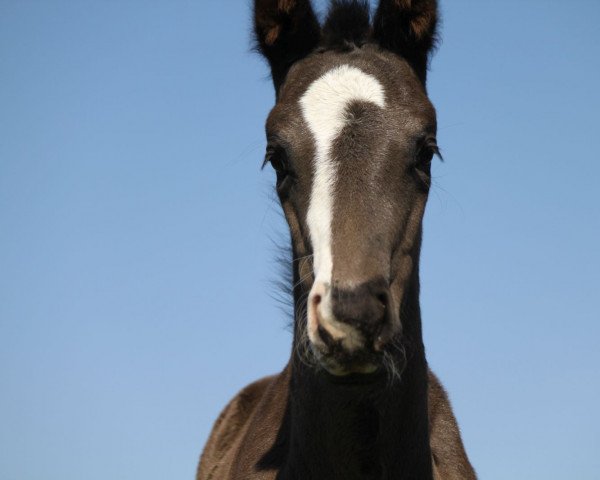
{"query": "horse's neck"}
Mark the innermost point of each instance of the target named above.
(348, 432)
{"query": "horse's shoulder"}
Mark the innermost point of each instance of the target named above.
(229, 426)
(450, 460)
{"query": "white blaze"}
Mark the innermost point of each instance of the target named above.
(324, 110)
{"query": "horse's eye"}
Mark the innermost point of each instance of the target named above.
(279, 162)
(424, 158)
(277, 157)
(426, 150)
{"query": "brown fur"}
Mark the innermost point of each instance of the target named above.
(423, 15)
(286, 30)
(248, 426)
(301, 423)
(408, 28)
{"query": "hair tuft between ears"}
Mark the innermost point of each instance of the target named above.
(348, 23)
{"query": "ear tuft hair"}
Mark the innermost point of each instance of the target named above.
(347, 24)
(286, 31)
(409, 28)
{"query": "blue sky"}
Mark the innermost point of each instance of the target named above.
(138, 234)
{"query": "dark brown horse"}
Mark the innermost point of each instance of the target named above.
(351, 139)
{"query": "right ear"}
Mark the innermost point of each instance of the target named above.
(408, 28)
(286, 31)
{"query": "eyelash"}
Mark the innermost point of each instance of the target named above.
(277, 157)
(426, 150)
(422, 167)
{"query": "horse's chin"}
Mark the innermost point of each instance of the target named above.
(355, 377)
(343, 366)
(348, 368)
(338, 370)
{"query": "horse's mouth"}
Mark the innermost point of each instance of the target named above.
(355, 369)
(338, 362)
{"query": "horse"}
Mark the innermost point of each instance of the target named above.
(351, 138)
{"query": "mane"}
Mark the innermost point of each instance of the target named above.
(348, 24)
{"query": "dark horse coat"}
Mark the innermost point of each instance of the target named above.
(248, 427)
(351, 139)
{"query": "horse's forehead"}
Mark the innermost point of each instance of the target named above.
(321, 87)
(316, 95)
(325, 102)
(343, 83)
(334, 73)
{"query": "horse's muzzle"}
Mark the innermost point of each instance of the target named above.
(349, 327)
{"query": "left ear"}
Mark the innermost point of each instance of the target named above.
(286, 31)
(408, 28)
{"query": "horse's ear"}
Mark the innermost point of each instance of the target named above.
(286, 31)
(408, 27)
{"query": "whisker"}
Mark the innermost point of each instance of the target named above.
(301, 280)
(298, 259)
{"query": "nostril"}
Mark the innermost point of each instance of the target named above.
(383, 300)
(317, 299)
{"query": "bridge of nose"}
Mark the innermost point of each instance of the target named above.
(362, 232)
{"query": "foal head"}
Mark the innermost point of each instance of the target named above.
(351, 139)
